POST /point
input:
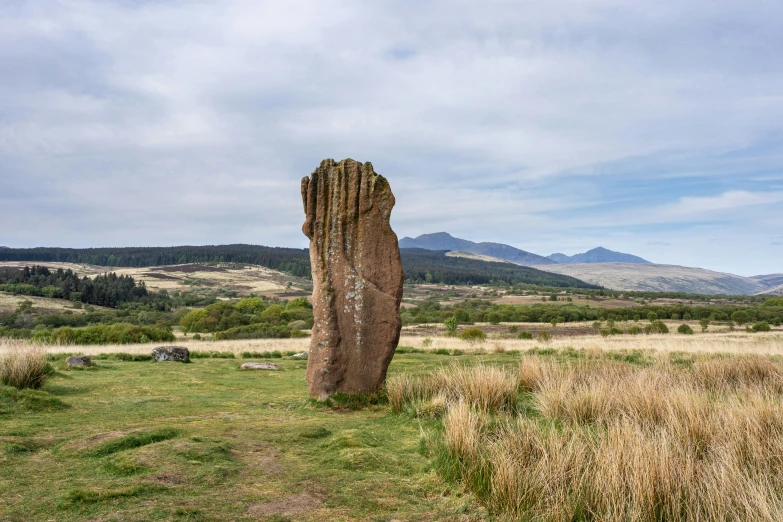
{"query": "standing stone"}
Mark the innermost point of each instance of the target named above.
(357, 278)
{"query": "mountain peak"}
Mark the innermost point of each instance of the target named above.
(597, 255)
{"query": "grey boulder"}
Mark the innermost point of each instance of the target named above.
(171, 353)
(78, 361)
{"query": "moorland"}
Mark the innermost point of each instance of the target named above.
(507, 399)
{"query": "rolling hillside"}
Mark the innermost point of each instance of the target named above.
(454, 270)
(659, 278)
(419, 265)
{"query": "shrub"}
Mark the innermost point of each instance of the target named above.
(740, 317)
(544, 337)
(761, 327)
(525, 335)
(251, 305)
(656, 327)
(255, 331)
(451, 326)
(652, 317)
(776, 321)
(685, 329)
(473, 335)
(461, 316)
(427, 342)
(634, 330)
(24, 366)
(120, 333)
(604, 332)
(514, 329)
(299, 302)
(297, 325)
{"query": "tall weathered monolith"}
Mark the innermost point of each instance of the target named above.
(357, 278)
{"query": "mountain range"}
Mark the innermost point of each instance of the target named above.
(445, 241)
(603, 267)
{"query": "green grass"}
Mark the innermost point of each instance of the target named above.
(140, 441)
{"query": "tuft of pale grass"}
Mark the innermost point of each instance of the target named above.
(23, 365)
(732, 373)
(487, 388)
(403, 388)
(463, 426)
(532, 372)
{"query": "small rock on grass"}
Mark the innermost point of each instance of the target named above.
(258, 366)
(171, 353)
(78, 361)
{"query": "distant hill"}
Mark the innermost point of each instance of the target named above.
(597, 255)
(444, 241)
(419, 265)
(423, 265)
(659, 278)
(769, 280)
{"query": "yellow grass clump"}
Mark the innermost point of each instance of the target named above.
(611, 441)
(23, 365)
(485, 388)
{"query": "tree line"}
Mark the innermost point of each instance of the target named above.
(294, 261)
(479, 311)
(103, 290)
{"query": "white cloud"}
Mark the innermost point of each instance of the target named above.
(189, 113)
(728, 201)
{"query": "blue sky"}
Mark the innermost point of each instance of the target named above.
(649, 127)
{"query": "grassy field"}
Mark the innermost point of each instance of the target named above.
(204, 441)
(137, 440)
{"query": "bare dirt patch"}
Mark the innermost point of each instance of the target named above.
(263, 458)
(168, 478)
(292, 505)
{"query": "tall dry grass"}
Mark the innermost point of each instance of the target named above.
(23, 365)
(609, 441)
(485, 388)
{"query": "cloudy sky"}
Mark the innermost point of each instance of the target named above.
(653, 127)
